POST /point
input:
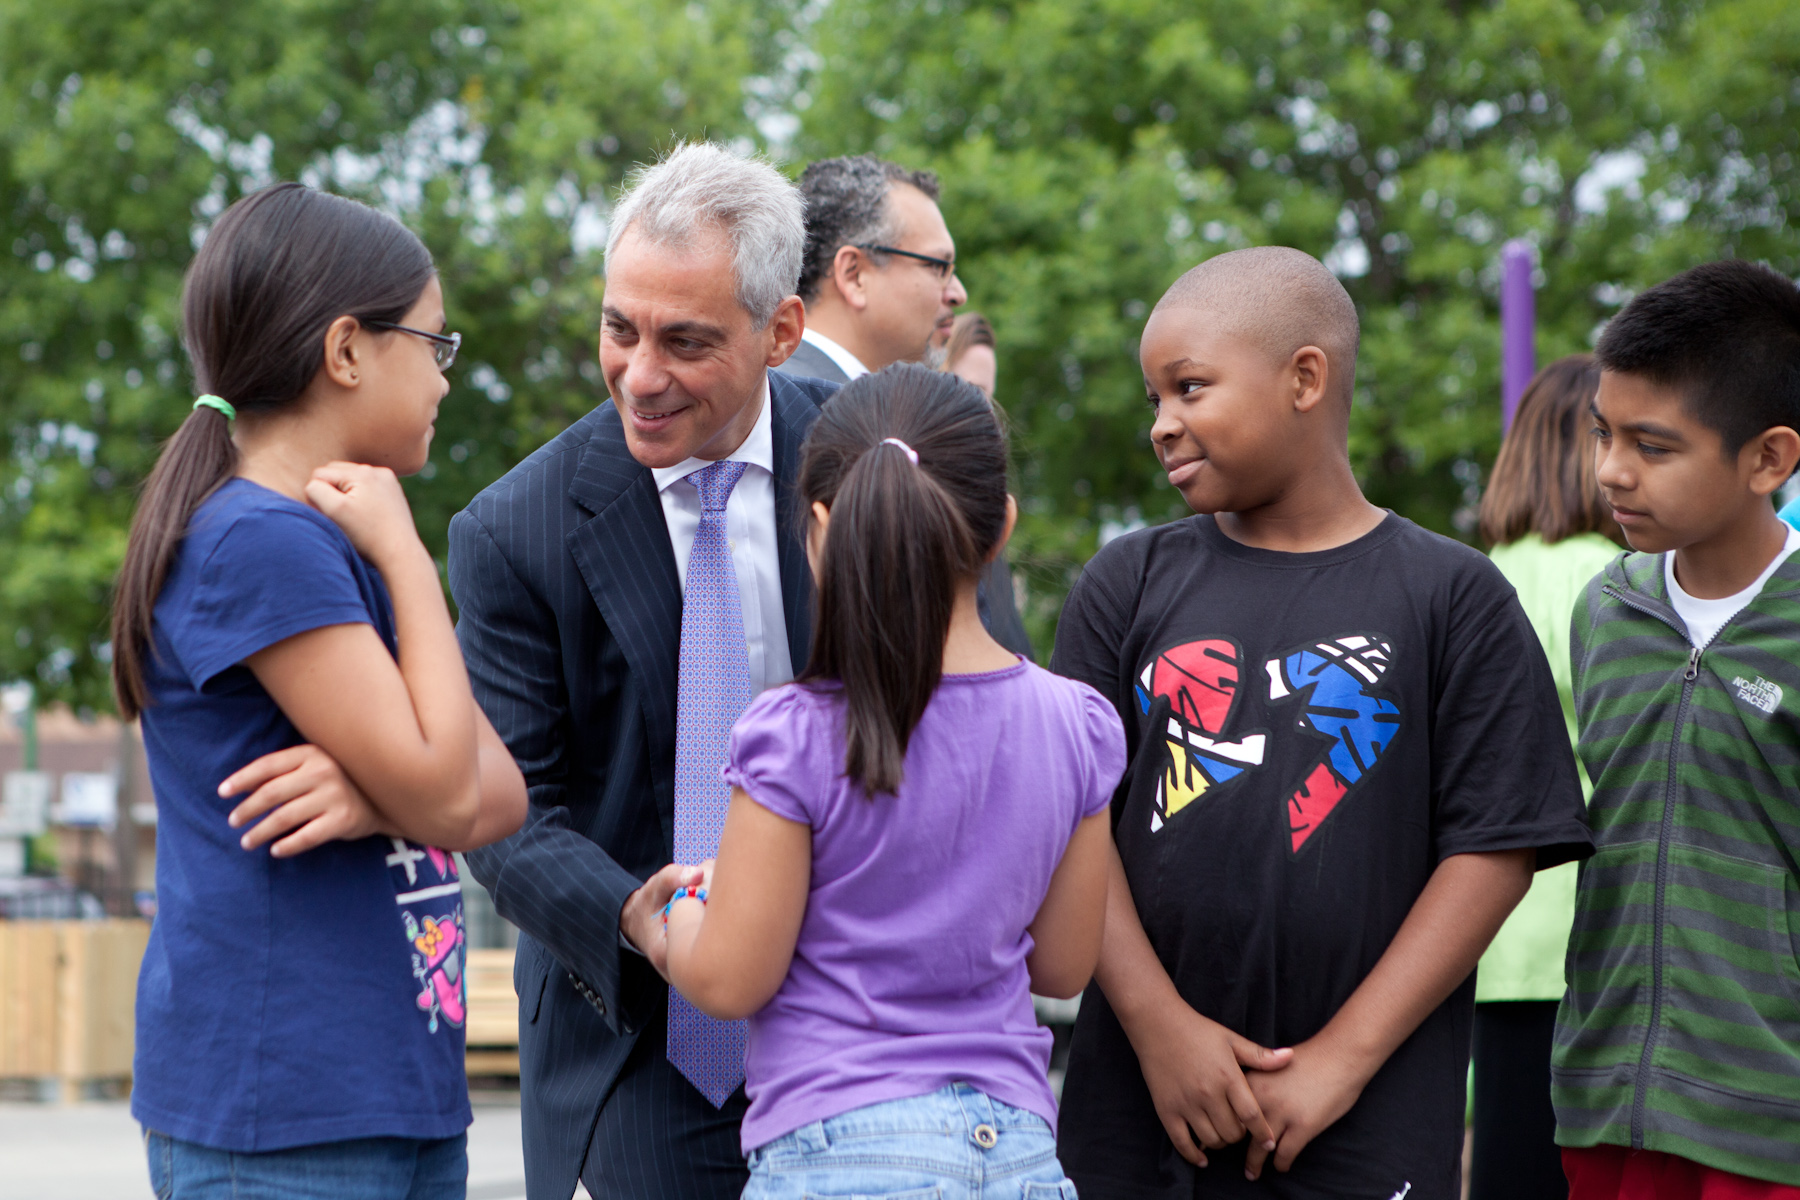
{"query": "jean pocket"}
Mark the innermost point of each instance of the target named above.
(1051, 1191)
(924, 1193)
(159, 1151)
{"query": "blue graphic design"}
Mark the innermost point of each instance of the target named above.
(1333, 679)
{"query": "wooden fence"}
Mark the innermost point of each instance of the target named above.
(67, 991)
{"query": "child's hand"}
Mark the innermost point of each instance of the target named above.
(700, 877)
(1318, 1087)
(368, 505)
(308, 798)
(640, 920)
(1196, 1078)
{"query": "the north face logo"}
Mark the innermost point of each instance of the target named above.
(1759, 694)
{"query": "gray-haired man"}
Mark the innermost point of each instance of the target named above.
(573, 574)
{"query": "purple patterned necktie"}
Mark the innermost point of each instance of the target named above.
(712, 693)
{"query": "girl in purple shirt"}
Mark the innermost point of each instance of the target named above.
(917, 838)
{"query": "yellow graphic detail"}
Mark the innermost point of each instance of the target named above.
(432, 936)
(1184, 782)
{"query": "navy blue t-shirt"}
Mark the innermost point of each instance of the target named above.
(282, 1002)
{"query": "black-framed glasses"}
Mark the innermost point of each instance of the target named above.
(943, 268)
(443, 345)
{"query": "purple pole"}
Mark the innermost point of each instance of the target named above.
(1517, 318)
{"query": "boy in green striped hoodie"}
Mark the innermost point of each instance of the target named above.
(1676, 1068)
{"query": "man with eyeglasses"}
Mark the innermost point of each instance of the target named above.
(879, 277)
(880, 287)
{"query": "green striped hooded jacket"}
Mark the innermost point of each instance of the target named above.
(1680, 1029)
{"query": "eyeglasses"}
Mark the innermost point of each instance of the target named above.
(443, 345)
(943, 268)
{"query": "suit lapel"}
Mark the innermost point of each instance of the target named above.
(628, 563)
(793, 416)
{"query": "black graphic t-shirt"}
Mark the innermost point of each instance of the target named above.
(1311, 734)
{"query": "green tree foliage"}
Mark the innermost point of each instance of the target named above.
(1091, 149)
(493, 129)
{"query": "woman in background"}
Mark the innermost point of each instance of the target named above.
(970, 352)
(1551, 532)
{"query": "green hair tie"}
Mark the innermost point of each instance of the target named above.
(218, 403)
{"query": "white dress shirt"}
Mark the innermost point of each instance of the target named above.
(755, 555)
(847, 362)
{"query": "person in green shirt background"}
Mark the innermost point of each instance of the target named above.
(1551, 532)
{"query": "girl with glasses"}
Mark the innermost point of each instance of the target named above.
(315, 748)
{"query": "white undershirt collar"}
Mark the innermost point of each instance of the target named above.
(1704, 618)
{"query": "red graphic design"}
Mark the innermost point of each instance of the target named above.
(1200, 679)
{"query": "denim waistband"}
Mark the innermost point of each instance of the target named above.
(953, 1109)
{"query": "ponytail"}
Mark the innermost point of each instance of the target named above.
(199, 458)
(276, 269)
(904, 535)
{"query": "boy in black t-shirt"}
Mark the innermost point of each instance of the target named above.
(1348, 758)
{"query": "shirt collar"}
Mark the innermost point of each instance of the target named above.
(758, 449)
(847, 362)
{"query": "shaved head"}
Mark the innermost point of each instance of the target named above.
(1279, 299)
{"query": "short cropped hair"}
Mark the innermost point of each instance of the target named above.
(1726, 335)
(847, 205)
(1281, 299)
(1544, 480)
(699, 186)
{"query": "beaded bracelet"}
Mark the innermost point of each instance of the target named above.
(697, 893)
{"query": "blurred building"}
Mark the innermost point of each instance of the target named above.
(100, 825)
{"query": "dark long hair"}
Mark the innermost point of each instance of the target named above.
(1543, 480)
(275, 271)
(901, 539)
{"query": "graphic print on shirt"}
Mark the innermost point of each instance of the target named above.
(1332, 679)
(431, 914)
(1200, 680)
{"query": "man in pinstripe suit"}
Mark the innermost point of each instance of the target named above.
(569, 574)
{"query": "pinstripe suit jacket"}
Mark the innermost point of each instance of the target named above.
(570, 620)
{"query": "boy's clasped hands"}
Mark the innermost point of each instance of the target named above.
(1213, 1088)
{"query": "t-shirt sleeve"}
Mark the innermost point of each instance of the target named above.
(1105, 742)
(771, 756)
(1092, 628)
(272, 575)
(1091, 632)
(1503, 775)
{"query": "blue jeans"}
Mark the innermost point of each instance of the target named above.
(954, 1144)
(363, 1169)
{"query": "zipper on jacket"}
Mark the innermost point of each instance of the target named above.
(1641, 1090)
